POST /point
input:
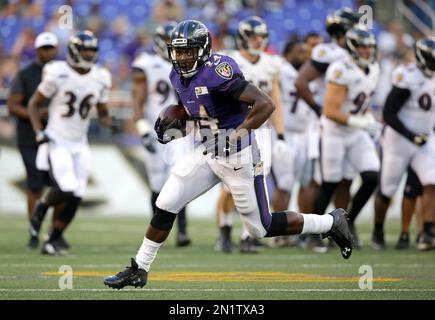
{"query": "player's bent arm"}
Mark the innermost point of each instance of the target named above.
(335, 96)
(307, 74)
(395, 100)
(35, 104)
(277, 116)
(262, 107)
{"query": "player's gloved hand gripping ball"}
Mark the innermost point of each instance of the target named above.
(171, 123)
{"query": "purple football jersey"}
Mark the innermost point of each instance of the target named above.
(208, 95)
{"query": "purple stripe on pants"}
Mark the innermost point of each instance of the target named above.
(263, 205)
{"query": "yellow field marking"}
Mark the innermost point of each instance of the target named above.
(230, 276)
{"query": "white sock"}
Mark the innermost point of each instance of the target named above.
(245, 234)
(225, 219)
(146, 254)
(316, 224)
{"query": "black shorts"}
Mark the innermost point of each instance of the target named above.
(36, 179)
(413, 187)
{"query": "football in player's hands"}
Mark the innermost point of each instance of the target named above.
(173, 116)
(174, 112)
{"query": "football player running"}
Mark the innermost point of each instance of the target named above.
(151, 92)
(74, 86)
(409, 139)
(294, 166)
(348, 124)
(226, 110)
(310, 87)
(263, 70)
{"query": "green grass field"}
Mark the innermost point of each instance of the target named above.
(103, 246)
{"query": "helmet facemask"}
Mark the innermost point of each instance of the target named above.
(187, 59)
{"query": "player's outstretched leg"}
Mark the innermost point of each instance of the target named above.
(333, 225)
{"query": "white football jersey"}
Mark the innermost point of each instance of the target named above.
(360, 89)
(297, 114)
(260, 73)
(72, 97)
(160, 91)
(418, 111)
(325, 53)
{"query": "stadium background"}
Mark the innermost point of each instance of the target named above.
(125, 28)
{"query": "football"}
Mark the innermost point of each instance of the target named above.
(174, 112)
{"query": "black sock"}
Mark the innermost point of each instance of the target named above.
(41, 209)
(427, 227)
(226, 233)
(324, 197)
(56, 234)
(379, 227)
(181, 221)
(368, 186)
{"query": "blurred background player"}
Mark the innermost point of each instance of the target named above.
(294, 165)
(348, 124)
(310, 87)
(73, 87)
(409, 139)
(263, 70)
(411, 205)
(23, 86)
(152, 92)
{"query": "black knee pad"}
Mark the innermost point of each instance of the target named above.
(163, 220)
(413, 187)
(278, 225)
(70, 209)
(56, 196)
(370, 177)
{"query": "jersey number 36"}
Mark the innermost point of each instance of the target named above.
(84, 106)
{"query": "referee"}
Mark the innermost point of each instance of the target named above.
(23, 85)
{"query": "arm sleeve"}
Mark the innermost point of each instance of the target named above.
(394, 102)
(17, 85)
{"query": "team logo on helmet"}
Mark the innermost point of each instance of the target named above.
(224, 70)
